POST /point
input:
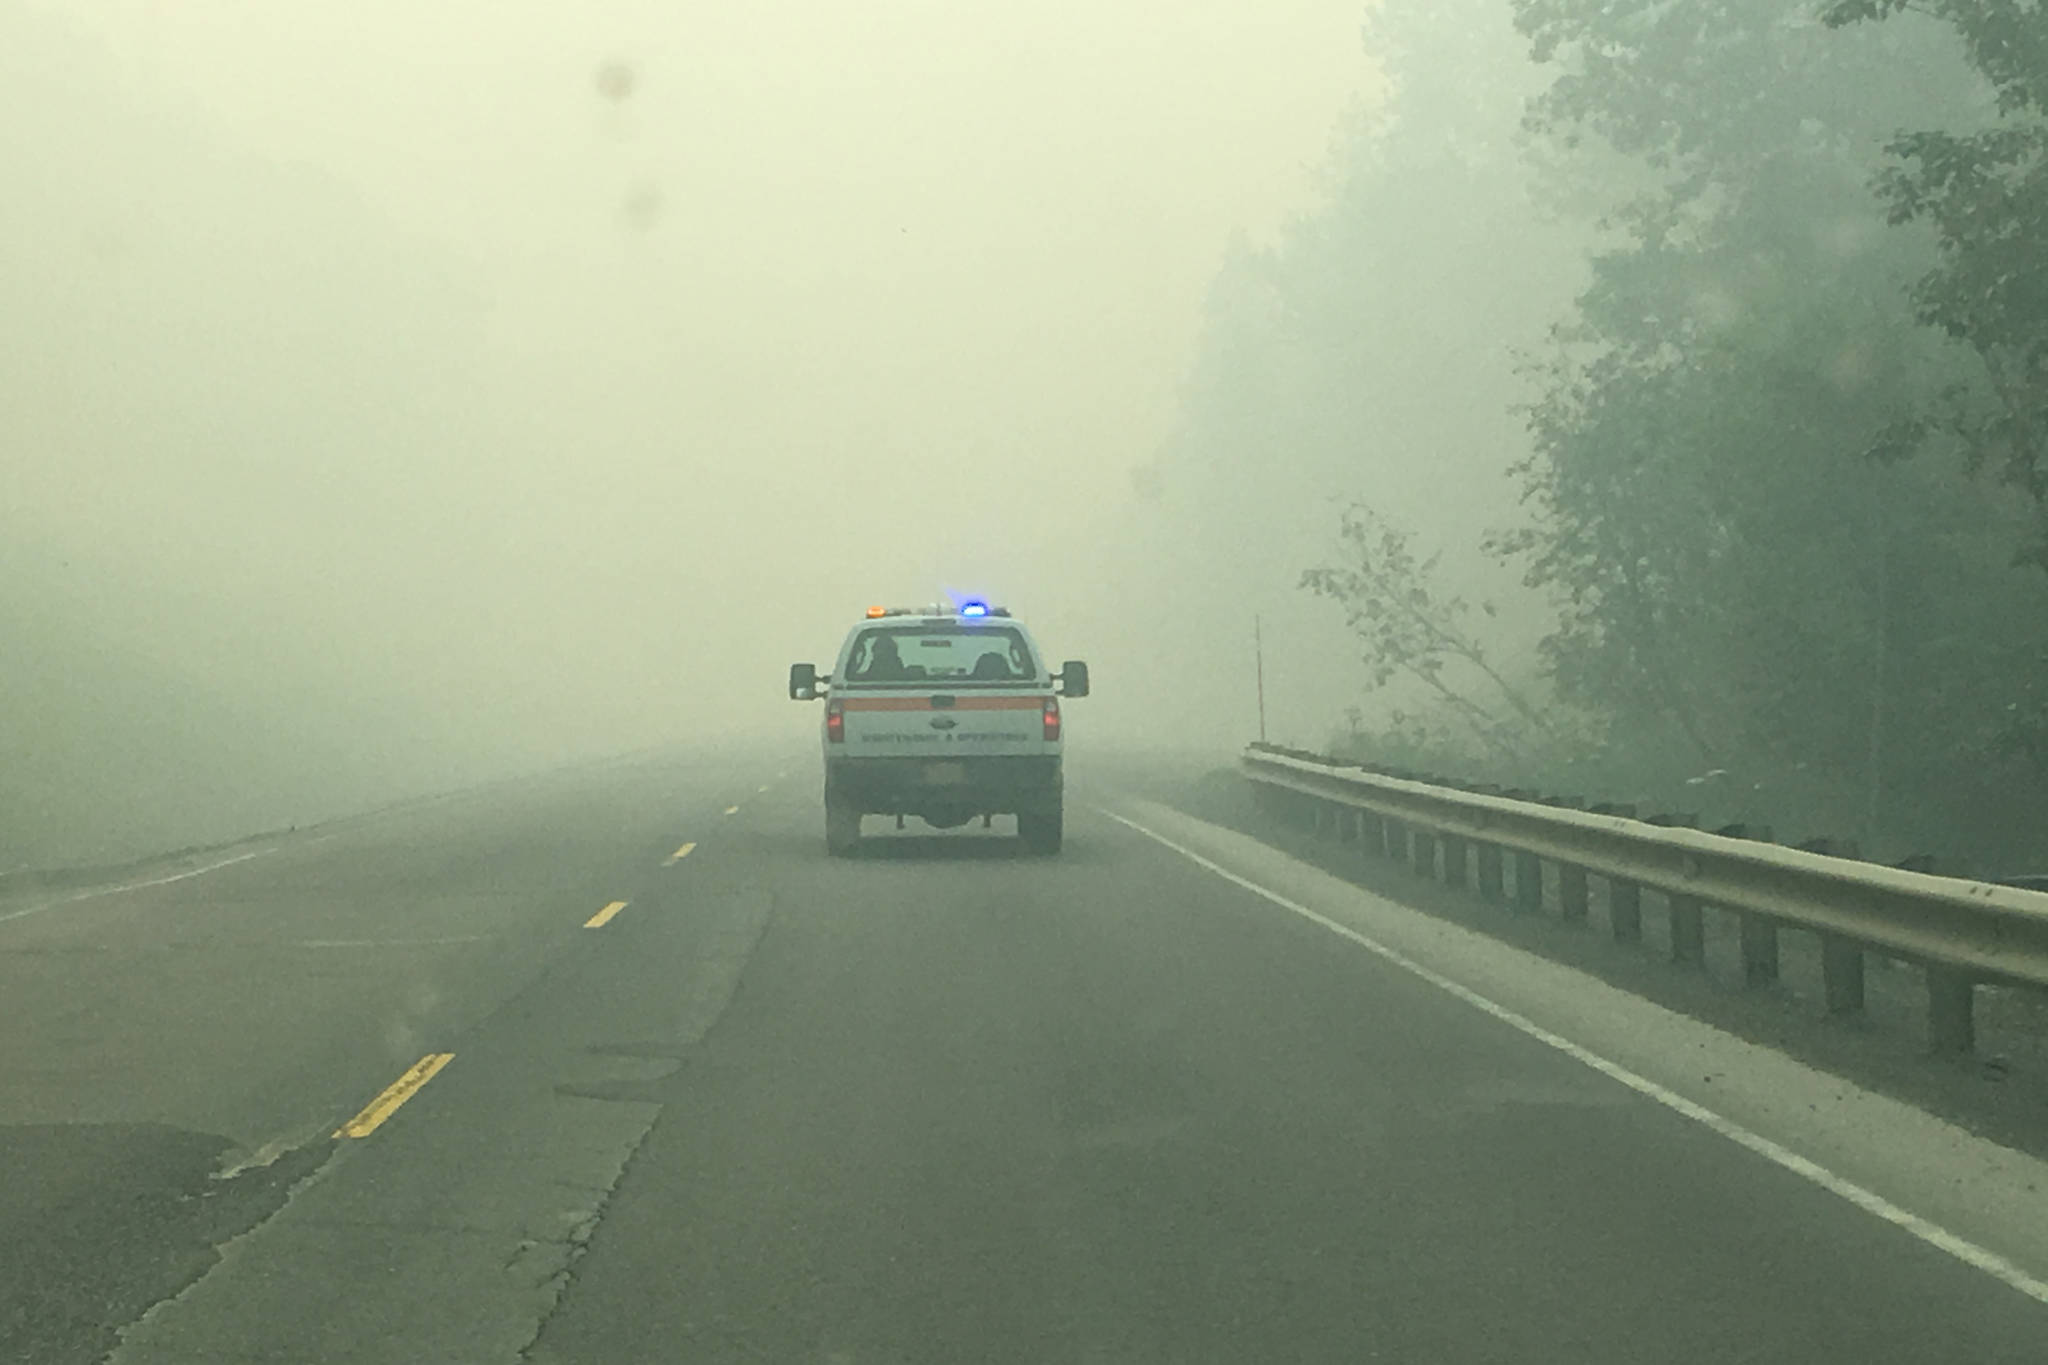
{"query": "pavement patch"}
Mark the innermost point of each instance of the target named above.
(454, 1240)
(100, 1221)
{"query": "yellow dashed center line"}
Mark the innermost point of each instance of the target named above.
(604, 916)
(397, 1093)
(732, 810)
(672, 859)
(760, 790)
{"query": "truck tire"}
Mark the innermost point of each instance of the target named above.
(842, 828)
(1041, 827)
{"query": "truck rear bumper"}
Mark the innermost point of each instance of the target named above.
(963, 786)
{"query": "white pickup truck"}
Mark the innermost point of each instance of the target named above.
(945, 714)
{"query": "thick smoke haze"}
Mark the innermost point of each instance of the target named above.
(398, 395)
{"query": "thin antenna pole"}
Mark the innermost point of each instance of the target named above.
(1259, 652)
(1873, 817)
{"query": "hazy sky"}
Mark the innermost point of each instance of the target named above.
(879, 239)
(390, 344)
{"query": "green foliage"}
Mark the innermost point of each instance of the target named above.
(1428, 739)
(1985, 194)
(1748, 442)
(2006, 40)
(1741, 589)
(1411, 626)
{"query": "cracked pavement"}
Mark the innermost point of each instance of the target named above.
(936, 1103)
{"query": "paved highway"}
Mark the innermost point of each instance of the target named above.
(1168, 1097)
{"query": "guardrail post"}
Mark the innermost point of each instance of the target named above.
(1759, 938)
(1625, 910)
(1571, 890)
(1756, 935)
(1688, 929)
(1528, 898)
(1811, 899)
(1455, 860)
(1491, 882)
(1422, 847)
(1841, 973)
(1266, 799)
(1528, 883)
(1951, 1014)
(1841, 959)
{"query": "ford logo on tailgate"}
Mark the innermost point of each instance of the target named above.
(943, 722)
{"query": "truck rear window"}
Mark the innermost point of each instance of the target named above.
(894, 655)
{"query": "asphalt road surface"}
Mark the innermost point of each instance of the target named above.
(1167, 1097)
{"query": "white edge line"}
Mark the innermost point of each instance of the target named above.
(390, 942)
(133, 886)
(1964, 1250)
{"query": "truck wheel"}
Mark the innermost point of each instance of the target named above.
(1040, 827)
(842, 828)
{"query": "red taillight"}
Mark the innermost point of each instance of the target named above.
(835, 722)
(1052, 717)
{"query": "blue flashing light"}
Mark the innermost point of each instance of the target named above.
(974, 608)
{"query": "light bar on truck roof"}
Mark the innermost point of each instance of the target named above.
(976, 610)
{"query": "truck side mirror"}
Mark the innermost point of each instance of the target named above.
(803, 682)
(1074, 678)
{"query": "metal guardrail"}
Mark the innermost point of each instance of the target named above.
(1963, 932)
